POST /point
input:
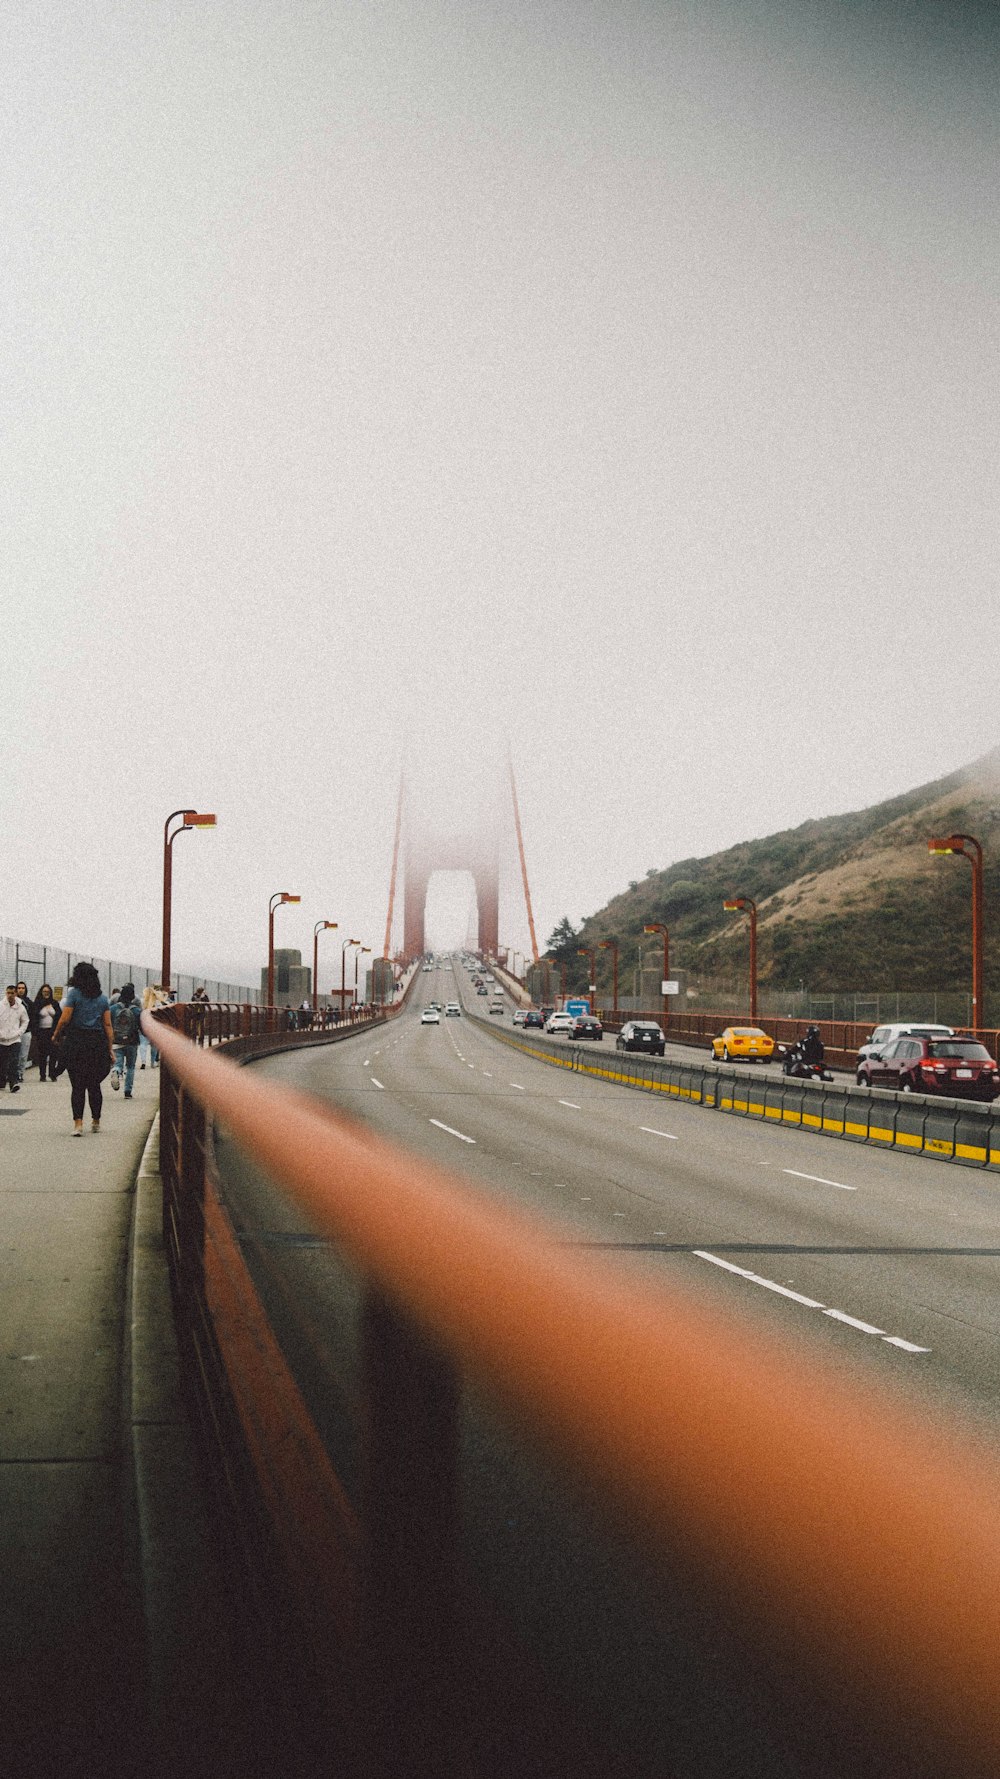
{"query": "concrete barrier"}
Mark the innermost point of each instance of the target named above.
(920, 1124)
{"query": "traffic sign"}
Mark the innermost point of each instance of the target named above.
(670, 988)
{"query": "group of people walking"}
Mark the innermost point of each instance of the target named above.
(86, 1034)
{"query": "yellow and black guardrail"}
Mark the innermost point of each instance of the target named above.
(965, 1131)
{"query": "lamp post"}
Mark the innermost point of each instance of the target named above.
(957, 844)
(612, 946)
(344, 949)
(358, 955)
(657, 926)
(588, 952)
(320, 927)
(189, 818)
(731, 906)
(276, 901)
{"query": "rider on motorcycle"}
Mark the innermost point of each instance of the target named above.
(812, 1050)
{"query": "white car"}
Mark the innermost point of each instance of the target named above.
(518, 1015)
(453, 1010)
(884, 1035)
(430, 1016)
(559, 1022)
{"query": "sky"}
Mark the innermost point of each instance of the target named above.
(389, 384)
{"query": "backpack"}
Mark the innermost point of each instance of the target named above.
(125, 1023)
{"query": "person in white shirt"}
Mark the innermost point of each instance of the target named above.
(13, 1025)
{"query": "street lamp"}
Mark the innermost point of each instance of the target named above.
(657, 926)
(276, 901)
(957, 843)
(731, 906)
(320, 927)
(612, 946)
(344, 949)
(189, 818)
(358, 955)
(588, 952)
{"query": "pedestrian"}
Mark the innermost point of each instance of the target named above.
(125, 1028)
(44, 1019)
(28, 1005)
(12, 1029)
(153, 998)
(86, 1041)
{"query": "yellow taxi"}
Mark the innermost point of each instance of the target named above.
(742, 1043)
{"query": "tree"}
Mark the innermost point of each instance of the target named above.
(563, 939)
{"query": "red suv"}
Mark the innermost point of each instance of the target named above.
(962, 1068)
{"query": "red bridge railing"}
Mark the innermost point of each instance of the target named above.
(868, 1542)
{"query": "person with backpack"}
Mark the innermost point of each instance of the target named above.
(126, 1032)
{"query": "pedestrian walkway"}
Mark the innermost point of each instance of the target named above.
(111, 1654)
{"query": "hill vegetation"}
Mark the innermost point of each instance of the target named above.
(851, 902)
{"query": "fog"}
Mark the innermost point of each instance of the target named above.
(387, 385)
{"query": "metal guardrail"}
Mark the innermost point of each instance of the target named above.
(964, 1131)
(806, 1496)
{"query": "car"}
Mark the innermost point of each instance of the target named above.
(884, 1035)
(453, 1010)
(961, 1068)
(430, 1016)
(480, 990)
(496, 1007)
(584, 1026)
(518, 1015)
(533, 1019)
(742, 1043)
(641, 1034)
(559, 1022)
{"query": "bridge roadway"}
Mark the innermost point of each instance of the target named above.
(879, 1262)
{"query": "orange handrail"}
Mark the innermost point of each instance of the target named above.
(877, 1534)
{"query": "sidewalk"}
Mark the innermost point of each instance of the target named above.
(110, 1648)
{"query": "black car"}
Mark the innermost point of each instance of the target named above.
(640, 1034)
(585, 1026)
(533, 1018)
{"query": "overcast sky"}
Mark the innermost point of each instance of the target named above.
(390, 379)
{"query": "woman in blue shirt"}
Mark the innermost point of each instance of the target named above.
(87, 1042)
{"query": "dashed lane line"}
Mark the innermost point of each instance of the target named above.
(520, 1089)
(572, 1105)
(650, 1132)
(376, 1083)
(818, 1179)
(452, 1132)
(810, 1303)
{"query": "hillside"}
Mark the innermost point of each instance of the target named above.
(851, 902)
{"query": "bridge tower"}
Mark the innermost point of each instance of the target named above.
(477, 850)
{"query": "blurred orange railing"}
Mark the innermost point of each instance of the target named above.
(866, 1538)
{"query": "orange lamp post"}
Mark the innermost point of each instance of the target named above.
(588, 952)
(189, 818)
(658, 927)
(958, 844)
(276, 901)
(612, 946)
(321, 927)
(738, 903)
(344, 949)
(358, 955)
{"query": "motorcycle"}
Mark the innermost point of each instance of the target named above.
(795, 1063)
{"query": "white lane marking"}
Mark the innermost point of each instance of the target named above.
(488, 1074)
(572, 1105)
(520, 1089)
(891, 1340)
(453, 1133)
(810, 1303)
(376, 1083)
(364, 1065)
(470, 1065)
(650, 1132)
(819, 1180)
(852, 1322)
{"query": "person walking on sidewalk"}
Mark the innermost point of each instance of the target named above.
(13, 1025)
(29, 1007)
(43, 1024)
(125, 1027)
(85, 1036)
